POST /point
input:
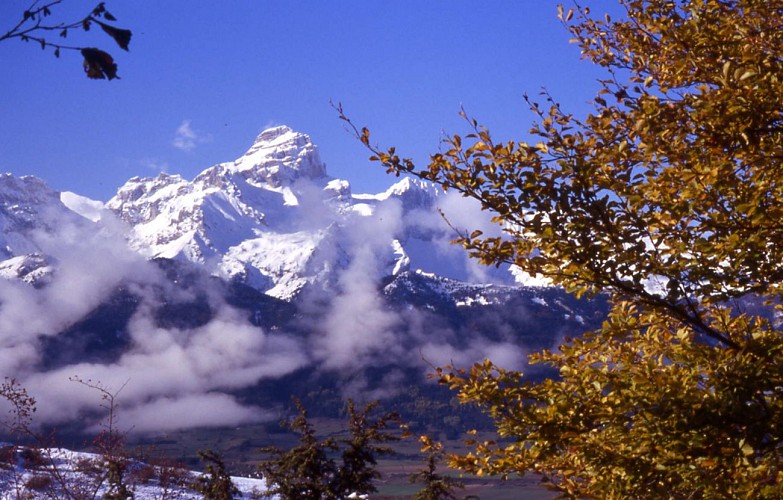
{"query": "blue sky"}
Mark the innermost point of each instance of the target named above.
(203, 78)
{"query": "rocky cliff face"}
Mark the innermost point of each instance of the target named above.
(279, 156)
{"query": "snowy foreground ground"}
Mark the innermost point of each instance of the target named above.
(47, 474)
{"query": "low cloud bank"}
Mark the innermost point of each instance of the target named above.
(175, 378)
(170, 377)
(359, 330)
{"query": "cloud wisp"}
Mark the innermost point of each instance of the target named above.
(175, 378)
(186, 138)
(358, 326)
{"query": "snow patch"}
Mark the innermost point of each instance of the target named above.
(70, 466)
(86, 207)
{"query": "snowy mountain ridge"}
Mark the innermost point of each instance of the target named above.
(28, 205)
(272, 219)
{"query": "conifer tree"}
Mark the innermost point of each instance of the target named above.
(215, 483)
(437, 486)
(309, 470)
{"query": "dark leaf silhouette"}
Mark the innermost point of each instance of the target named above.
(121, 36)
(98, 64)
(99, 9)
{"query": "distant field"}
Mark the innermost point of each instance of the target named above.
(240, 449)
(395, 485)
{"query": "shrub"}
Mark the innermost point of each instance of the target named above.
(39, 482)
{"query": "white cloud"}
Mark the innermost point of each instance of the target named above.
(358, 327)
(199, 410)
(438, 227)
(187, 138)
(173, 370)
(90, 264)
(186, 372)
(506, 354)
(155, 164)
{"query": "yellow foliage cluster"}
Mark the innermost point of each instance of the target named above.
(668, 197)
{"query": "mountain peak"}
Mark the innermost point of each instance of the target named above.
(414, 193)
(272, 133)
(279, 156)
(14, 190)
(27, 205)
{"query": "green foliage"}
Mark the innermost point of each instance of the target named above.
(36, 21)
(305, 471)
(309, 472)
(668, 198)
(118, 488)
(436, 486)
(366, 442)
(215, 483)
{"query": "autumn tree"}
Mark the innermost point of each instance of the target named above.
(36, 26)
(668, 197)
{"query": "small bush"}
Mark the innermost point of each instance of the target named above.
(143, 473)
(171, 475)
(88, 466)
(7, 457)
(39, 482)
(33, 458)
(257, 494)
(215, 483)
(167, 472)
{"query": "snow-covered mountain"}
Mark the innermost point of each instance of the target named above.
(26, 205)
(30, 213)
(217, 298)
(273, 218)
